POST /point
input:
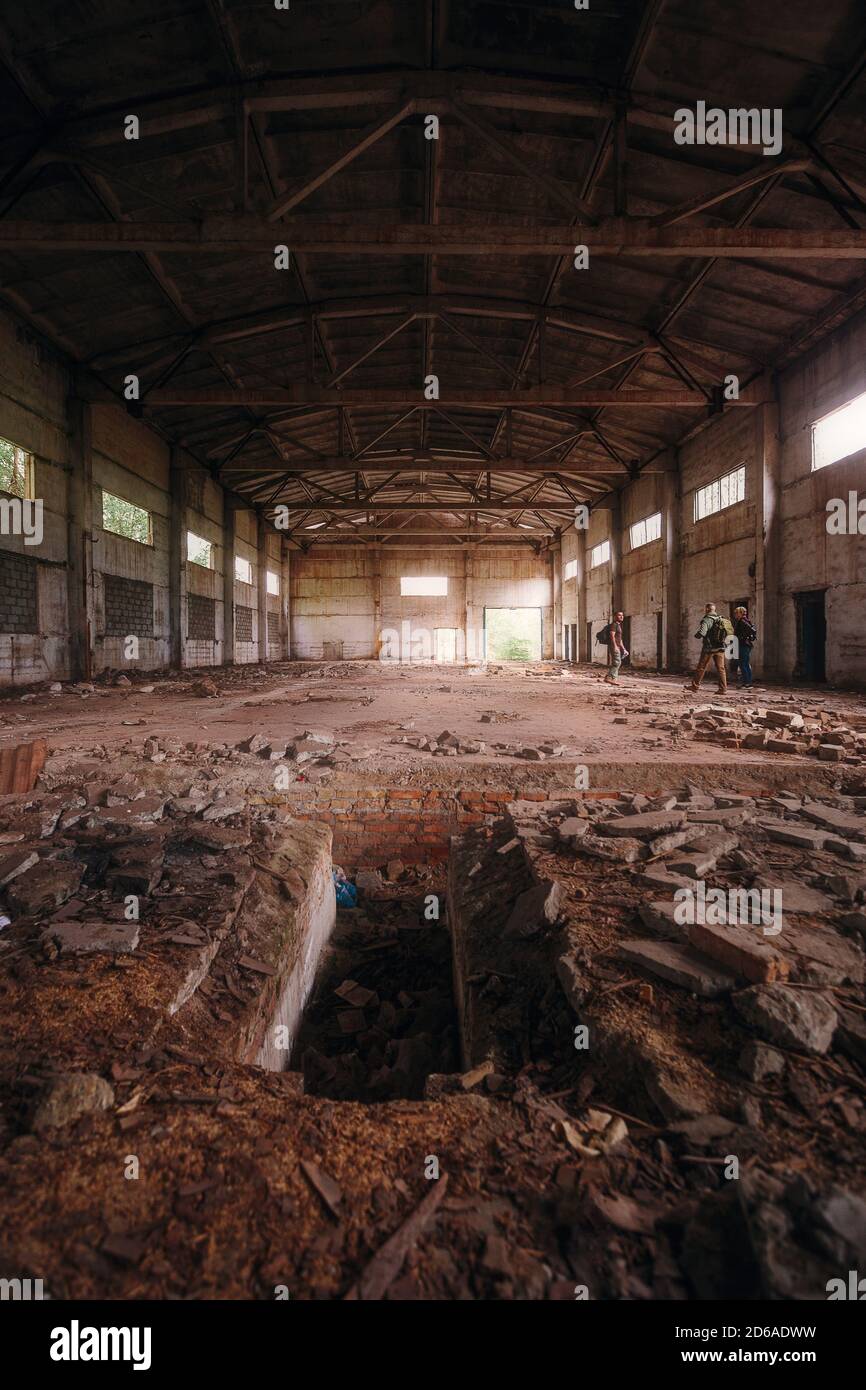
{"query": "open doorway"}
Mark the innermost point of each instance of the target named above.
(811, 636)
(512, 634)
(626, 640)
(446, 643)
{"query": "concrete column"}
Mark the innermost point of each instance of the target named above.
(262, 586)
(176, 563)
(556, 600)
(766, 614)
(228, 581)
(376, 577)
(286, 598)
(671, 563)
(474, 648)
(80, 542)
(615, 537)
(583, 652)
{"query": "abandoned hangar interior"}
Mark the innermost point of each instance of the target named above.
(361, 361)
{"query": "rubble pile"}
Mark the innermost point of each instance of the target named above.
(449, 745)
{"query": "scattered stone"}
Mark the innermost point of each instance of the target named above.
(69, 1097)
(790, 1017)
(539, 906)
(758, 1061)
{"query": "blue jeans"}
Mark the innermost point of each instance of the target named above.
(745, 657)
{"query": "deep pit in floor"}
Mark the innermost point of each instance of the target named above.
(381, 1017)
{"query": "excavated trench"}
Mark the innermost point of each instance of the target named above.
(381, 1017)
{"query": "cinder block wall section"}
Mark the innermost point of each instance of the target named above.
(34, 387)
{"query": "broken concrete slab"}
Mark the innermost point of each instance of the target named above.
(788, 1016)
(644, 825)
(741, 950)
(85, 938)
(48, 884)
(538, 907)
(679, 964)
(21, 862)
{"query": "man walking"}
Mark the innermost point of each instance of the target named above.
(713, 632)
(616, 647)
(746, 634)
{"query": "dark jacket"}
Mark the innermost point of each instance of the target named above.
(743, 632)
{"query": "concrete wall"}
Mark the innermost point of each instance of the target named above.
(810, 557)
(132, 462)
(34, 385)
(203, 515)
(342, 601)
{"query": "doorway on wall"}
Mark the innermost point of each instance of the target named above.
(626, 640)
(660, 641)
(811, 636)
(512, 634)
(445, 640)
(589, 642)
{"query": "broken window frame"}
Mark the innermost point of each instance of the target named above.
(599, 555)
(20, 479)
(133, 518)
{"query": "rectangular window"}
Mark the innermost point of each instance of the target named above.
(724, 492)
(599, 555)
(273, 582)
(125, 519)
(243, 570)
(642, 532)
(423, 585)
(16, 470)
(840, 433)
(570, 569)
(199, 551)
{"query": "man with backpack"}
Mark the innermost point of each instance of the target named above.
(746, 634)
(714, 632)
(611, 636)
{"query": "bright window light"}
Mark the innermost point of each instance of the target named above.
(724, 492)
(273, 582)
(199, 551)
(243, 570)
(599, 555)
(16, 470)
(423, 585)
(839, 434)
(649, 529)
(123, 518)
(570, 569)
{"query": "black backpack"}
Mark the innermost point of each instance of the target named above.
(604, 635)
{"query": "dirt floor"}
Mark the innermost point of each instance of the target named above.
(448, 1144)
